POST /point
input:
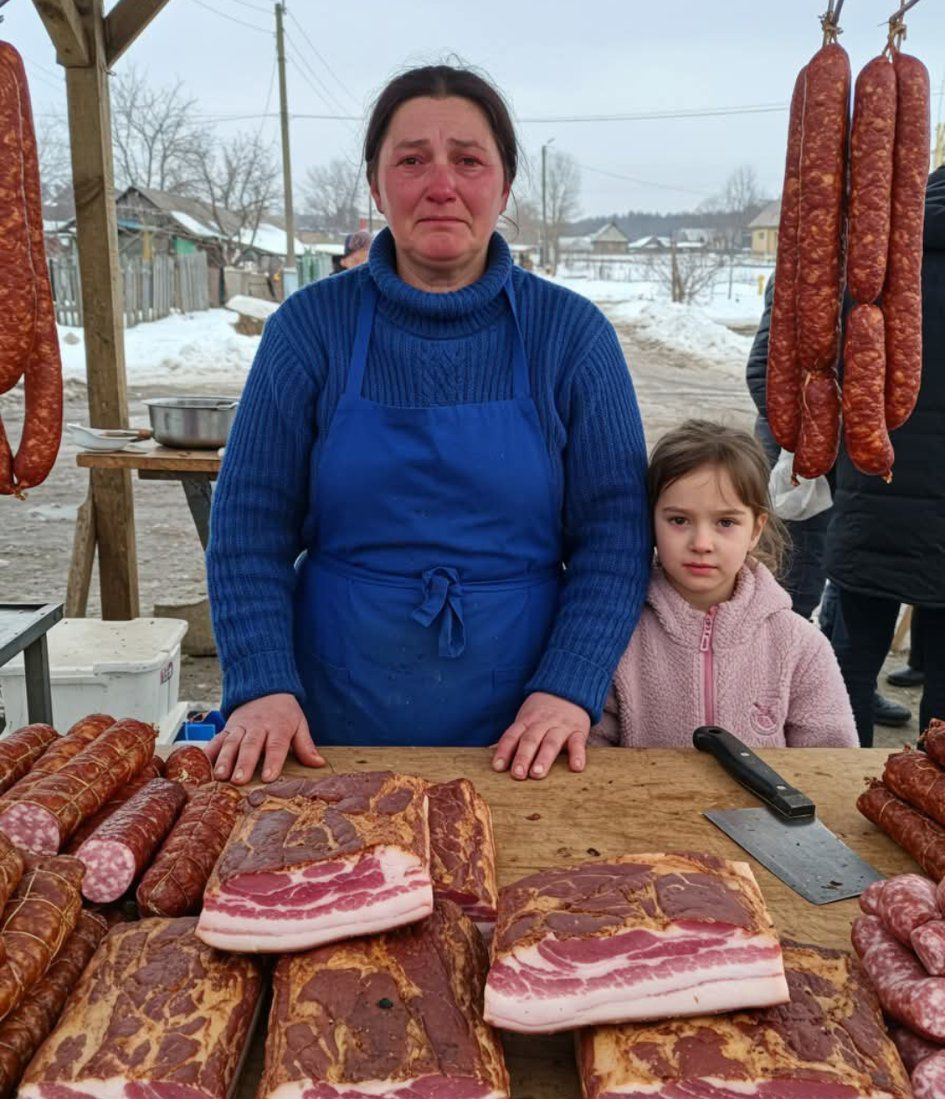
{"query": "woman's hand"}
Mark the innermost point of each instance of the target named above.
(271, 724)
(544, 725)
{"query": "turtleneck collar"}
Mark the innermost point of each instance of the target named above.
(457, 313)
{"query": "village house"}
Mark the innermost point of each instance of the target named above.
(764, 231)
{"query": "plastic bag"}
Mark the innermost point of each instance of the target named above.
(795, 503)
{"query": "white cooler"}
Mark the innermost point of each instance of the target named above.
(126, 669)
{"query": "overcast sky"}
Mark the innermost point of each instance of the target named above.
(553, 60)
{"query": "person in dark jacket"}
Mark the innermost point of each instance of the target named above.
(805, 574)
(886, 543)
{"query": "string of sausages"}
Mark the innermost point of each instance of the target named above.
(29, 344)
(852, 212)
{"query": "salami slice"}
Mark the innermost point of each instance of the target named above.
(175, 881)
(116, 853)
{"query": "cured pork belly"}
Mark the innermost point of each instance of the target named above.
(397, 1015)
(314, 861)
(829, 1042)
(462, 850)
(638, 937)
(157, 1014)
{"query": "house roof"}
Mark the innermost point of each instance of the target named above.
(610, 232)
(768, 218)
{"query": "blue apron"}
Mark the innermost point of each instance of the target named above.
(427, 595)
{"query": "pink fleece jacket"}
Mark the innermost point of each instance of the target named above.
(751, 665)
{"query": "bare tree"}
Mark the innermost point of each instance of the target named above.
(686, 273)
(237, 180)
(154, 134)
(55, 160)
(332, 194)
(735, 205)
(562, 196)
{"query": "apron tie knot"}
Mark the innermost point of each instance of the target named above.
(443, 599)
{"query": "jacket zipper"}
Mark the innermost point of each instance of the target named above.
(708, 670)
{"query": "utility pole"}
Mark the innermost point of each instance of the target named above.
(290, 279)
(543, 252)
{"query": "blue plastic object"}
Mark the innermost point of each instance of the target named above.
(203, 727)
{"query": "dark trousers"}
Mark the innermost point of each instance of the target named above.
(917, 633)
(862, 634)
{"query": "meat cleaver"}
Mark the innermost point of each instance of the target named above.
(786, 837)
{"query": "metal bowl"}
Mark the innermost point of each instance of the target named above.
(193, 423)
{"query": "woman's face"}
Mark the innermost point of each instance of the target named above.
(440, 183)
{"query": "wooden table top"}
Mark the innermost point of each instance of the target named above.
(161, 459)
(631, 801)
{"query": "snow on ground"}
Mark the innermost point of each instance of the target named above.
(184, 349)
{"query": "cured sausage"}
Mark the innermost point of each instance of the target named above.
(928, 1079)
(864, 378)
(57, 805)
(91, 726)
(915, 778)
(871, 174)
(819, 438)
(907, 902)
(932, 741)
(902, 293)
(118, 850)
(928, 941)
(12, 866)
(38, 919)
(175, 881)
(151, 770)
(42, 424)
(783, 382)
(25, 1029)
(869, 898)
(824, 122)
(904, 989)
(912, 1048)
(17, 282)
(56, 756)
(20, 750)
(922, 838)
(189, 765)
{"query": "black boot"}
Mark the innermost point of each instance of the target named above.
(906, 677)
(887, 712)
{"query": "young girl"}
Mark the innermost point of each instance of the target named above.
(718, 643)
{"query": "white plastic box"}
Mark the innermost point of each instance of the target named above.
(126, 669)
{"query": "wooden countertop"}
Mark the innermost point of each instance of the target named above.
(634, 801)
(161, 459)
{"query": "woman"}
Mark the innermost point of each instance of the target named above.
(456, 447)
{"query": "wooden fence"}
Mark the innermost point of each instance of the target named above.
(151, 289)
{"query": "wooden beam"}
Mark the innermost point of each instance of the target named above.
(64, 26)
(97, 237)
(125, 22)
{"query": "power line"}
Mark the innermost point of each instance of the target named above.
(36, 65)
(354, 99)
(232, 18)
(311, 78)
(643, 182)
(253, 7)
(272, 81)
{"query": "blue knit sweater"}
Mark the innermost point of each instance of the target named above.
(429, 350)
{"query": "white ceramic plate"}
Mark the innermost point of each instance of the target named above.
(95, 438)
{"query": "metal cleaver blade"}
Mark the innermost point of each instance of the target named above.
(804, 854)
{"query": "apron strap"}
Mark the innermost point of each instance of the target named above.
(521, 386)
(362, 338)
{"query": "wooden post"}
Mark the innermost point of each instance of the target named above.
(97, 235)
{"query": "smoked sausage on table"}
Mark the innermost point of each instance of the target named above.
(12, 866)
(871, 172)
(915, 778)
(151, 770)
(864, 377)
(823, 160)
(902, 293)
(783, 384)
(928, 1079)
(907, 902)
(56, 756)
(118, 850)
(38, 919)
(920, 837)
(20, 750)
(174, 883)
(932, 741)
(928, 942)
(912, 1048)
(58, 803)
(25, 1029)
(189, 765)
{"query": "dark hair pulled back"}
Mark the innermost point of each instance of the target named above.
(441, 82)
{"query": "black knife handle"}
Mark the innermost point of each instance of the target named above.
(755, 775)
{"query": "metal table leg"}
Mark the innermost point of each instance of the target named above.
(38, 693)
(199, 494)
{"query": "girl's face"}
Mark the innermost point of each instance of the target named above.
(703, 535)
